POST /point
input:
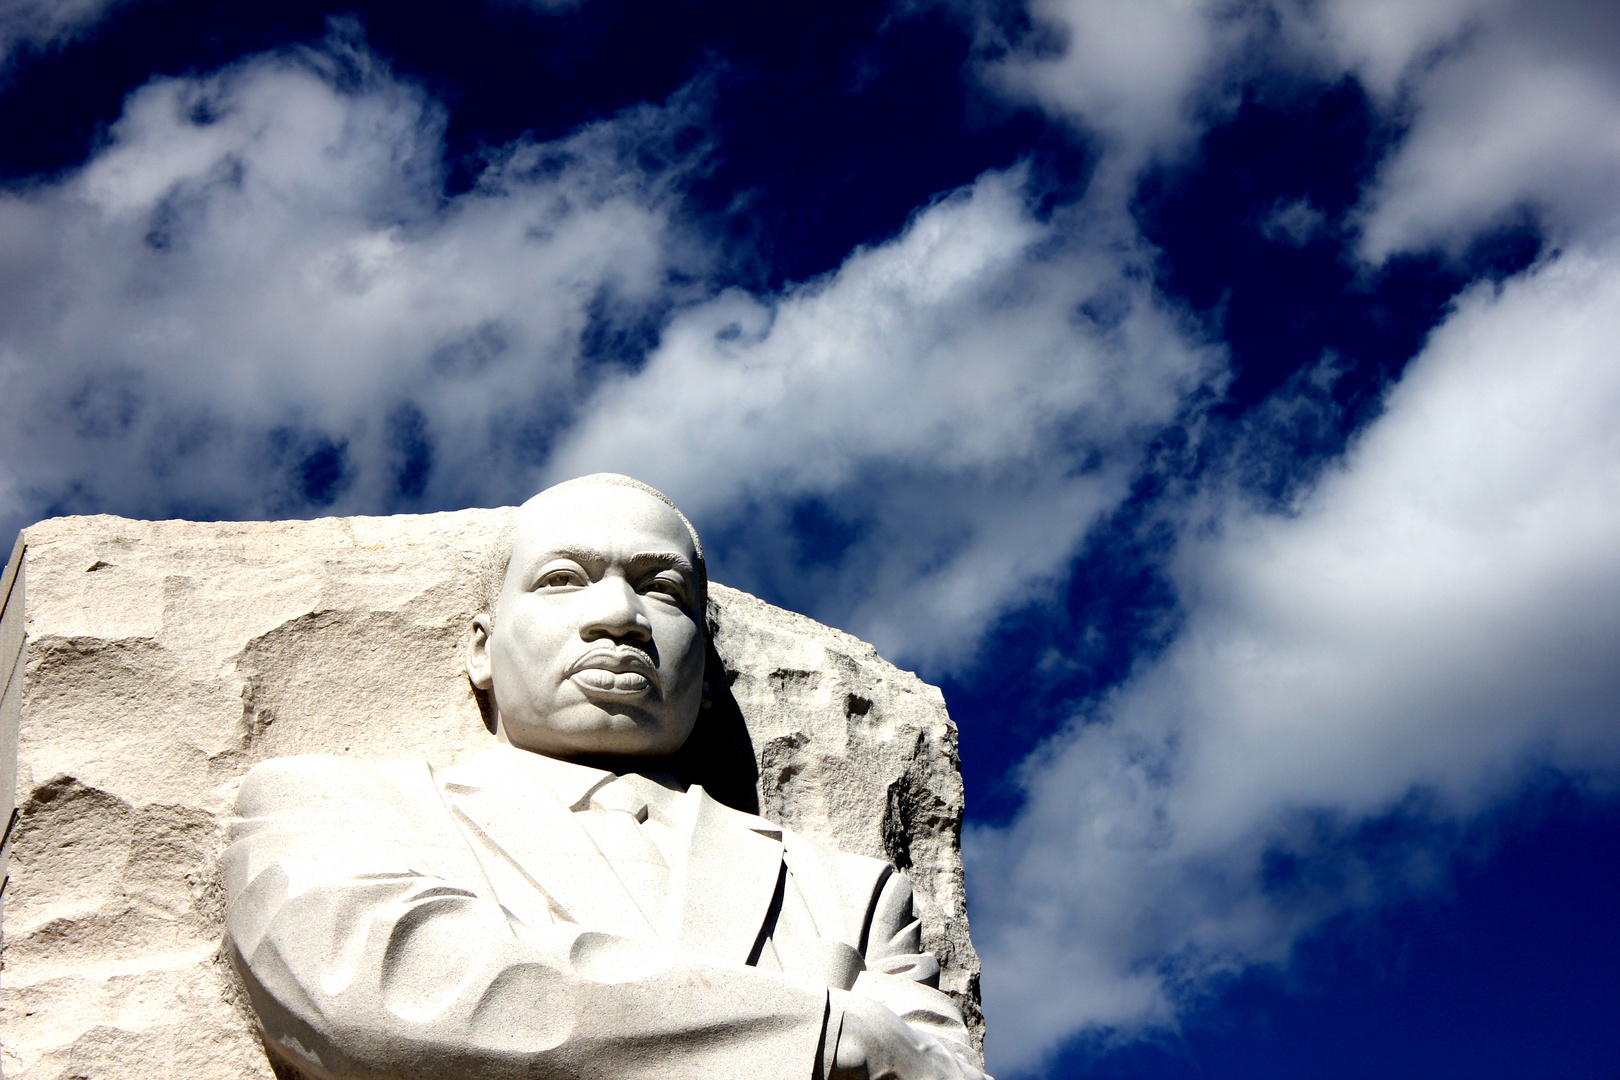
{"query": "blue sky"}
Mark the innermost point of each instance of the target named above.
(1221, 401)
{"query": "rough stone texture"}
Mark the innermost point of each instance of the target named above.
(163, 659)
(859, 754)
(12, 589)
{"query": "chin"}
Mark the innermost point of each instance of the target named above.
(626, 733)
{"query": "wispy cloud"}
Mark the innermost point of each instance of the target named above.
(971, 397)
(1437, 617)
(1132, 74)
(255, 300)
(1294, 223)
(1522, 119)
(44, 24)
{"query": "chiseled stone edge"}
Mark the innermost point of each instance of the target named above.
(13, 632)
(780, 620)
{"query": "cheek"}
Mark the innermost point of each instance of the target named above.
(693, 663)
(682, 647)
(521, 655)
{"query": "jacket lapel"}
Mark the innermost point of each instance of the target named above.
(519, 818)
(724, 879)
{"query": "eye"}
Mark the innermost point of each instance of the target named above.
(560, 578)
(667, 586)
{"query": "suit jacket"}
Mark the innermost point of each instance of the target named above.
(502, 919)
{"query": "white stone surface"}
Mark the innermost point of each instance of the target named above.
(166, 658)
(13, 586)
(517, 915)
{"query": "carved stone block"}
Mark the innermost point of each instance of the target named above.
(163, 659)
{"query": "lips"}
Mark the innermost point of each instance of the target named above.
(621, 682)
(620, 671)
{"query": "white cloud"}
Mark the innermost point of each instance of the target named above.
(1525, 115)
(256, 292)
(1294, 223)
(1512, 103)
(1382, 41)
(1128, 72)
(974, 395)
(259, 266)
(1437, 617)
(1441, 613)
(40, 24)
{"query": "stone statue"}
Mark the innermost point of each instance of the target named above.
(564, 903)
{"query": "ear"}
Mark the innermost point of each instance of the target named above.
(479, 670)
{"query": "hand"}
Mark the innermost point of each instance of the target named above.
(875, 1044)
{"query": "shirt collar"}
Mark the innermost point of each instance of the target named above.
(573, 783)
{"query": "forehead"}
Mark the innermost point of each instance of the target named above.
(602, 517)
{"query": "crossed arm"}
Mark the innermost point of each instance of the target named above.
(370, 950)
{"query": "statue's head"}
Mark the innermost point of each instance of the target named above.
(594, 643)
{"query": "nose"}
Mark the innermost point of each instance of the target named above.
(615, 611)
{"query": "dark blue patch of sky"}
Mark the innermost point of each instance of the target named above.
(822, 127)
(1510, 976)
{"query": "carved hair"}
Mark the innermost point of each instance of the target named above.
(500, 552)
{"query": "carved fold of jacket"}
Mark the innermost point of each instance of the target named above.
(517, 916)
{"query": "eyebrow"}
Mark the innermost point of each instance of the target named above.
(585, 556)
(670, 560)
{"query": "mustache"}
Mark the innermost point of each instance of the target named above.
(617, 658)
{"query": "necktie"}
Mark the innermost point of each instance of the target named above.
(613, 820)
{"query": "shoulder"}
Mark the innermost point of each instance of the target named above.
(856, 877)
(316, 783)
(862, 886)
(862, 874)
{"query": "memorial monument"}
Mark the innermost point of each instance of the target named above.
(582, 889)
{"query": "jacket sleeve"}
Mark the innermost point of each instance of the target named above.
(371, 948)
(904, 978)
